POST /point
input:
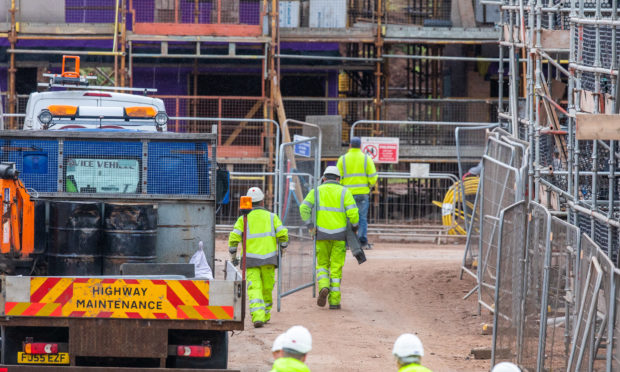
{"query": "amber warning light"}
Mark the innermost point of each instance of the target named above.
(245, 204)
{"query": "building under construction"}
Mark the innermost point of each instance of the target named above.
(344, 61)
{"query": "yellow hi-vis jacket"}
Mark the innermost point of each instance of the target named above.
(336, 204)
(265, 230)
(357, 171)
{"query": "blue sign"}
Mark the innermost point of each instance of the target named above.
(304, 148)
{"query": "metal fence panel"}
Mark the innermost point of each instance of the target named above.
(298, 175)
(113, 165)
(508, 320)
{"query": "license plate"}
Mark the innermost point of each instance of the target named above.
(60, 358)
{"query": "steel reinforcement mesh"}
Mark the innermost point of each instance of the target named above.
(510, 289)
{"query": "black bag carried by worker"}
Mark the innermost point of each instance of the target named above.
(353, 242)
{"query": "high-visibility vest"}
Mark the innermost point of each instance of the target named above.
(264, 231)
(357, 171)
(414, 367)
(289, 365)
(336, 204)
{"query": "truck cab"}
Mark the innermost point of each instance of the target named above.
(95, 110)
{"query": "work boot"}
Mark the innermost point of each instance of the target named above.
(334, 307)
(258, 324)
(322, 300)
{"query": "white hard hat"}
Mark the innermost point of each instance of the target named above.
(332, 170)
(506, 367)
(407, 345)
(278, 342)
(298, 339)
(256, 194)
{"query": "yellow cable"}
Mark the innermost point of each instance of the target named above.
(452, 216)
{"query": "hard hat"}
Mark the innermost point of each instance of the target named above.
(333, 170)
(506, 367)
(356, 142)
(408, 345)
(278, 342)
(256, 194)
(298, 339)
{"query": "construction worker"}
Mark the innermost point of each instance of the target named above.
(359, 175)
(336, 205)
(409, 351)
(276, 349)
(296, 345)
(506, 367)
(265, 231)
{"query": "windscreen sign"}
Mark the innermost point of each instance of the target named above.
(86, 175)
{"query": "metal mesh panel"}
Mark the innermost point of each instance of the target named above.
(498, 191)
(561, 294)
(456, 110)
(15, 122)
(508, 317)
(538, 235)
(246, 12)
(90, 11)
(121, 165)
(297, 178)
(242, 177)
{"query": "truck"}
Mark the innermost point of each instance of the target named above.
(120, 206)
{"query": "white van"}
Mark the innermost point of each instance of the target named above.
(94, 110)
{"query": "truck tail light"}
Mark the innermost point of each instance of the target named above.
(40, 348)
(194, 351)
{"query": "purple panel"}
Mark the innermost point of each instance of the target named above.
(89, 11)
(249, 12)
(145, 11)
(168, 81)
(332, 91)
(91, 44)
(74, 11)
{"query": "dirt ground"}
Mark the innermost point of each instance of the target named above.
(401, 288)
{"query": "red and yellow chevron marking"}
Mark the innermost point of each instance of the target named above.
(119, 298)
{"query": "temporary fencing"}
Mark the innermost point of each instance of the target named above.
(298, 174)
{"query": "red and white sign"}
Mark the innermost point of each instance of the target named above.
(381, 149)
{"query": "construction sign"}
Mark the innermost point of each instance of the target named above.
(119, 298)
(381, 149)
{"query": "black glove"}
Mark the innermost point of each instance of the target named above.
(354, 228)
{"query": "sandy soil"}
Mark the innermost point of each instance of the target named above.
(401, 288)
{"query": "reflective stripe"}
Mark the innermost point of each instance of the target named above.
(344, 166)
(332, 231)
(335, 280)
(354, 175)
(262, 256)
(267, 311)
(255, 309)
(342, 195)
(268, 304)
(330, 209)
(280, 228)
(335, 289)
(365, 163)
(273, 217)
(307, 203)
(322, 271)
(372, 175)
(355, 224)
(322, 277)
(358, 185)
(261, 235)
(237, 231)
(350, 207)
(257, 301)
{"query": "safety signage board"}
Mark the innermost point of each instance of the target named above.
(302, 149)
(117, 298)
(381, 149)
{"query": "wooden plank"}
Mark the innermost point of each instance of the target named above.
(197, 29)
(597, 127)
(555, 39)
(243, 124)
(287, 138)
(554, 123)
